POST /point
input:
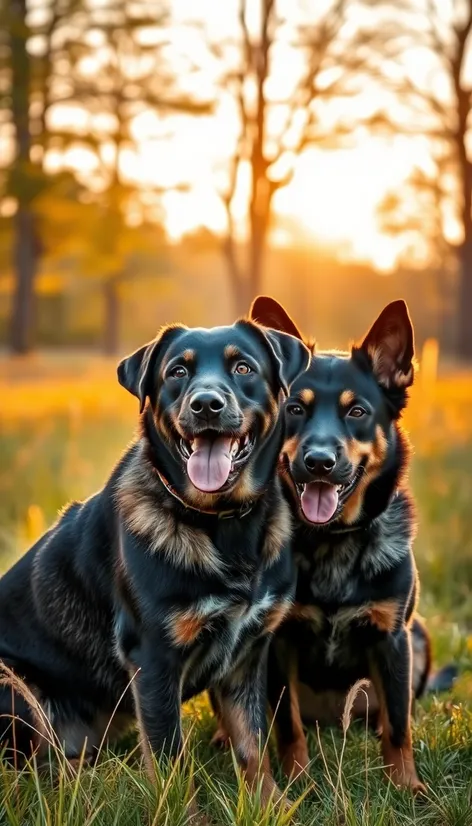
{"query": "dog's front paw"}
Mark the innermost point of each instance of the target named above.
(295, 759)
(407, 780)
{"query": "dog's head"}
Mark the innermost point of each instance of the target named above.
(212, 397)
(341, 413)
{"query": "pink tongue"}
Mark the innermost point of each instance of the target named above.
(210, 463)
(319, 501)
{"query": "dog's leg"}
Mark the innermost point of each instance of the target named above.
(391, 675)
(157, 701)
(157, 695)
(284, 701)
(220, 738)
(242, 698)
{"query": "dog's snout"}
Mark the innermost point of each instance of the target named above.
(321, 462)
(207, 404)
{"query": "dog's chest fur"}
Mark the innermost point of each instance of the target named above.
(215, 589)
(343, 576)
(229, 627)
(246, 604)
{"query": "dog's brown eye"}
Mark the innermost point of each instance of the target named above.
(357, 412)
(178, 372)
(242, 368)
(295, 410)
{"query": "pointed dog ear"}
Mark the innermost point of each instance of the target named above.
(389, 347)
(136, 372)
(290, 355)
(268, 312)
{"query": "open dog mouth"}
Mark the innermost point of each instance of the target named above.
(213, 458)
(321, 502)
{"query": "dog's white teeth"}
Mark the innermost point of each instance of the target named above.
(234, 447)
(246, 440)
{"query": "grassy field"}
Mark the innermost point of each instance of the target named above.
(63, 423)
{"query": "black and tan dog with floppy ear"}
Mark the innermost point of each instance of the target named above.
(174, 577)
(345, 472)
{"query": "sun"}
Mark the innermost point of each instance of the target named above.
(332, 198)
(335, 195)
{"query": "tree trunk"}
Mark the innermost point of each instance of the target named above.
(25, 266)
(237, 281)
(465, 300)
(464, 340)
(111, 328)
(261, 205)
(258, 240)
(25, 243)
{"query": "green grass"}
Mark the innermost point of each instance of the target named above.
(58, 440)
(345, 784)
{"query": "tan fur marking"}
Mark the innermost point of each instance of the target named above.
(307, 396)
(384, 614)
(189, 355)
(376, 452)
(346, 398)
(185, 627)
(246, 745)
(143, 741)
(357, 451)
(162, 428)
(307, 613)
(245, 488)
(271, 417)
(399, 762)
(276, 616)
(291, 448)
(294, 755)
(278, 532)
(232, 351)
(184, 546)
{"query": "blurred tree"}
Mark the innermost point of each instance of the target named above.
(418, 210)
(282, 73)
(26, 65)
(433, 46)
(78, 75)
(22, 177)
(119, 60)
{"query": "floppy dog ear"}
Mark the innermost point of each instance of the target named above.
(389, 347)
(135, 372)
(292, 356)
(268, 312)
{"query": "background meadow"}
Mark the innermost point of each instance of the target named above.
(64, 420)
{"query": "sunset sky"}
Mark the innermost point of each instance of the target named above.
(334, 194)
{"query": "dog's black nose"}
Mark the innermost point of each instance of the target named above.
(320, 461)
(207, 404)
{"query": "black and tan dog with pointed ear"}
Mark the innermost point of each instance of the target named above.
(174, 577)
(345, 472)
